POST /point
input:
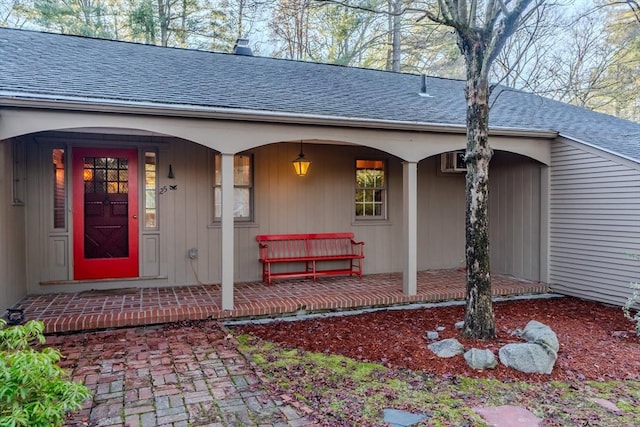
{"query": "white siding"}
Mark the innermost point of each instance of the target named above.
(594, 223)
(12, 238)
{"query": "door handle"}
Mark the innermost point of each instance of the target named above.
(135, 217)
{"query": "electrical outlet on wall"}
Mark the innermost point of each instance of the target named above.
(192, 253)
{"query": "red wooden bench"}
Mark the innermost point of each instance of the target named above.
(310, 251)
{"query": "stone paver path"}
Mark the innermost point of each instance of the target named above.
(508, 416)
(170, 375)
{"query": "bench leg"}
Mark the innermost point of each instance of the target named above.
(358, 264)
(268, 273)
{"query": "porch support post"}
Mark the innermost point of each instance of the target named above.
(410, 226)
(227, 235)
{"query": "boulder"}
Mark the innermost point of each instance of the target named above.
(446, 348)
(400, 418)
(480, 359)
(528, 357)
(432, 335)
(539, 333)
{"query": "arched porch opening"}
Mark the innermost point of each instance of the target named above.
(517, 214)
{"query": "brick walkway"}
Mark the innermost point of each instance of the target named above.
(87, 310)
(170, 375)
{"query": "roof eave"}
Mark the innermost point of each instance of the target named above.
(53, 102)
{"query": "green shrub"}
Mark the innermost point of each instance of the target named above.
(632, 301)
(34, 390)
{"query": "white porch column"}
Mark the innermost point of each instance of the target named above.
(226, 220)
(410, 226)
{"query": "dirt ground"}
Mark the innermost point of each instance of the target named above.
(596, 341)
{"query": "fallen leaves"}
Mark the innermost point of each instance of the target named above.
(591, 347)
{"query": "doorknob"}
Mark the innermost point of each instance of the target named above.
(135, 217)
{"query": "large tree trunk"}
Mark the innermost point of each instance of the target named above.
(479, 321)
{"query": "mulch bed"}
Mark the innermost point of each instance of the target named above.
(596, 341)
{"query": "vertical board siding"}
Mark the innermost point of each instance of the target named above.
(323, 201)
(514, 215)
(594, 224)
(441, 213)
(13, 281)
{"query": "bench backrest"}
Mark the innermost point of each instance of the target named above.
(305, 245)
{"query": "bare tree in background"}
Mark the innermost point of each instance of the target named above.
(635, 8)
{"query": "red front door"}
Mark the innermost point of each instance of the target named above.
(105, 213)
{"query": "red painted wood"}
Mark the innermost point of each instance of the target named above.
(310, 249)
(106, 267)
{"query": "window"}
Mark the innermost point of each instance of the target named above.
(59, 192)
(370, 189)
(242, 187)
(19, 154)
(150, 190)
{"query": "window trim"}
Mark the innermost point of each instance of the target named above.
(156, 192)
(251, 187)
(385, 191)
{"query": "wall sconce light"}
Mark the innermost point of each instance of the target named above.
(170, 176)
(301, 165)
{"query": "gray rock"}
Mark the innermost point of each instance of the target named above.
(528, 357)
(398, 418)
(539, 333)
(459, 325)
(446, 348)
(431, 335)
(480, 359)
(440, 328)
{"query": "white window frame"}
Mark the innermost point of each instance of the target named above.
(382, 189)
(237, 175)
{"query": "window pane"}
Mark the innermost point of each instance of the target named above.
(217, 170)
(59, 218)
(242, 170)
(241, 208)
(150, 190)
(217, 197)
(370, 188)
(243, 186)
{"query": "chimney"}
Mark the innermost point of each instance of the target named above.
(423, 86)
(242, 48)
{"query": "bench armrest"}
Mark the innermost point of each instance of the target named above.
(263, 250)
(357, 247)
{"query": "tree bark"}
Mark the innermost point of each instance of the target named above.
(479, 321)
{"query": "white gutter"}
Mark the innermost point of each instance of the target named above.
(597, 147)
(11, 99)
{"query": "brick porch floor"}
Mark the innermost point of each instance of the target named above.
(89, 309)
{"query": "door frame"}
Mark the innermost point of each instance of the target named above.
(104, 268)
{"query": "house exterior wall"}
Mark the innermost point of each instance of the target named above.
(516, 230)
(594, 223)
(514, 216)
(12, 229)
(322, 201)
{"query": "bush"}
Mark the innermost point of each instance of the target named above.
(34, 390)
(632, 301)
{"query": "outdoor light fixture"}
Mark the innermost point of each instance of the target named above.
(171, 175)
(301, 165)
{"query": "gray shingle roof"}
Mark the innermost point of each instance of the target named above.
(34, 63)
